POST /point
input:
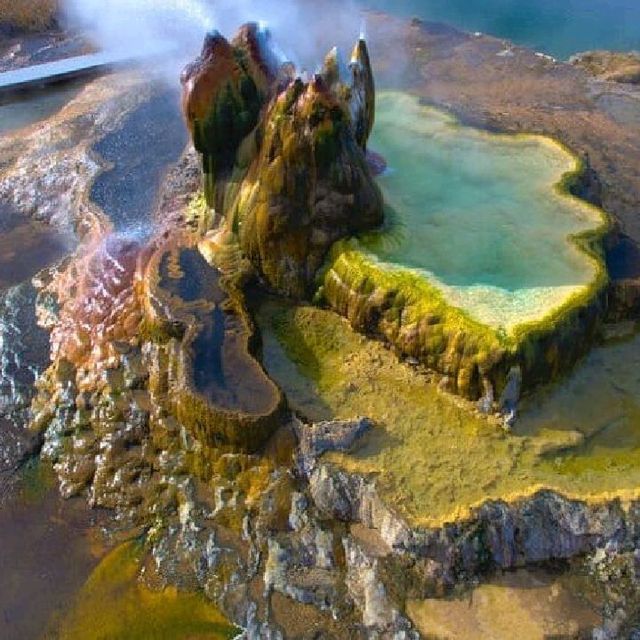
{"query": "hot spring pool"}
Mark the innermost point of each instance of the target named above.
(479, 214)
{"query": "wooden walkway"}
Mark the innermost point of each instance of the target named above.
(67, 69)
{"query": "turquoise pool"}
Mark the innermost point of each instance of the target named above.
(478, 214)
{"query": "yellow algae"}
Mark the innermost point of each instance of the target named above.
(113, 604)
(601, 399)
(537, 605)
(197, 214)
(434, 458)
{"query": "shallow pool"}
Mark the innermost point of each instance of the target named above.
(478, 214)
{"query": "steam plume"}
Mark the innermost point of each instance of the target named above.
(304, 30)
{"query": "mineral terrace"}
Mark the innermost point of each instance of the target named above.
(284, 425)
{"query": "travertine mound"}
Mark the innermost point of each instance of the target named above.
(284, 159)
(203, 362)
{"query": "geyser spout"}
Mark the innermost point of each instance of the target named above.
(212, 39)
(335, 71)
(255, 41)
(363, 100)
(283, 157)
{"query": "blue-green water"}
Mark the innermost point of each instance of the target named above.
(478, 214)
(557, 27)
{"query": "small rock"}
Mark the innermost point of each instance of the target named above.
(121, 347)
(511, 397)
(114, 380)
(337, 435)
(298, 516)
(485, 404)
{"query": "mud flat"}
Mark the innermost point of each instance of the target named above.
(49, 546)
(538, 603)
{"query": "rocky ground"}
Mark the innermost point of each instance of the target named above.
(288, 544)
(610, 66)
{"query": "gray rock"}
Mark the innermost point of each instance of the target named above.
(485, 404)
(365, 585)
(511, 397)
(545, 526)
(319, 438)
(298, 516)
(114, 380)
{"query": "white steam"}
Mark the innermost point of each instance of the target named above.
(174, 29)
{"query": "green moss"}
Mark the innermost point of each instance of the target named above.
(159, 332)
(326, 144)
(114, 604)
(412, 293)
(36, 479)
(411, 313)
(232, 116)
(295, 90)
(434, 457)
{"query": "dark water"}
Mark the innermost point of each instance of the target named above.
(196, 280)
(150, 139)
(557, 27)
(48, 547)
(223, 371)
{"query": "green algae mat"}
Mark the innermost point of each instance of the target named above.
(482, 217)
(435, 458)
(114, 605)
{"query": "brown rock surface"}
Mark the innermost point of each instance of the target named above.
(309, 186)
(203, 368)
(610, 65)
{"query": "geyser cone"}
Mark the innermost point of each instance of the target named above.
(363, 99)
(283, 159)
